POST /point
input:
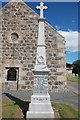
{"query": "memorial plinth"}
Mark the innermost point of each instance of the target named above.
(40, 106)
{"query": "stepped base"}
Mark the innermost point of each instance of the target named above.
(40, 107)
(40, 114)
(40, 119)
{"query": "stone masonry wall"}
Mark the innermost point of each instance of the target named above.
(18, 18)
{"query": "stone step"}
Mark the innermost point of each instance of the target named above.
(40, 107)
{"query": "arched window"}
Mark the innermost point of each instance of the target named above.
(11, 74)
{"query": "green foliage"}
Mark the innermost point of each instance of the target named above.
(66, 111)
(76, 67)
(68, 65)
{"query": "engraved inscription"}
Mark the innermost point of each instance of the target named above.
(40, 99)
(40, 84)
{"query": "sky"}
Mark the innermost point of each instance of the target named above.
(63, 16)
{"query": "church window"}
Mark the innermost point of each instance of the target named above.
(11, 74)
(14, 36)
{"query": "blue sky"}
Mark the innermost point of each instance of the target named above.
(63, 16)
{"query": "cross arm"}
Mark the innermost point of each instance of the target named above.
(45, 7)
(37, 7)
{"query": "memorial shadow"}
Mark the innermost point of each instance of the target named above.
(22, 104)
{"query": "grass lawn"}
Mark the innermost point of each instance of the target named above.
(74, 79)
(66, 111)
(10, 108)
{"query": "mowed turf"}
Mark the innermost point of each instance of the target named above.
(74, 79)
(67, 111)
(9, 109)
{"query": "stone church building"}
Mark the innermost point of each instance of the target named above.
(18, 45)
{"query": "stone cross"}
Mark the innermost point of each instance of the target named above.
(41, 7)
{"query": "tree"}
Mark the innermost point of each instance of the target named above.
(76, 68)
(68, 65)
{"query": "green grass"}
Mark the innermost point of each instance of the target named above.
(74, 79)
(66, 111)
(9, 109)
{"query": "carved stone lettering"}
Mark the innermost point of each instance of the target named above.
(40, 84)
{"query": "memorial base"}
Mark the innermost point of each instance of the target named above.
(40, 107)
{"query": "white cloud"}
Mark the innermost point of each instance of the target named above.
(71, 38)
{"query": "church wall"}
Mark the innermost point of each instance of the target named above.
(21, 52)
